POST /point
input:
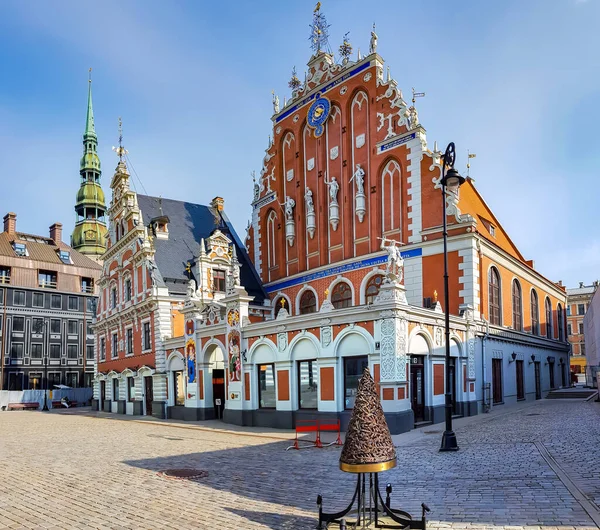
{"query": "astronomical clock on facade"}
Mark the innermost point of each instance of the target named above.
(340, 270)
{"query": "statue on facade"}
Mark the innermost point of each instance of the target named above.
(373, 43)
(359, 177)
(333, 189)
(310, 207)
(191, 289)
(275, 106)
(288, 207)
(395, 264)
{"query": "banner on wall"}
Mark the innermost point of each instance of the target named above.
(190, 359)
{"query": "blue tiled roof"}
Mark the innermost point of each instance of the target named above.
(188, 224)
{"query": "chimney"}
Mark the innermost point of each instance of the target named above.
(10, 223)
(56, 233)
(218, 204)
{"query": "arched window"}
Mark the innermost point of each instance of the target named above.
(517, 306)
(280, 303)
(341, 296)
(494, 296)
(548, 318)
(559, 318)
(271, 254)
(390, 201)
(535, 314)
(308, 302)
(372, 289)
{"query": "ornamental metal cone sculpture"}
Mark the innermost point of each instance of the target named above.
(368, 446)
(369, 449)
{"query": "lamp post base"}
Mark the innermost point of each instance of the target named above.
(449, 441)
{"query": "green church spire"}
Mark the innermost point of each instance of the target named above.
(90, 234)
(90, 130)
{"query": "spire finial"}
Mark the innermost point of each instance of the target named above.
(319, 31)
(90, 130)
(121, 151)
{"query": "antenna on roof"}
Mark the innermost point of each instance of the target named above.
(160, 204)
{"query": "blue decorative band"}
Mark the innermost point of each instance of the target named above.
(395, 143)
(340, 269)
(267, 199)
(308, 99)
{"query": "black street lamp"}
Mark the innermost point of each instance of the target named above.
(45, 407)
(452, 180)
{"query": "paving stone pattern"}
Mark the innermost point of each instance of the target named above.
(73, 470)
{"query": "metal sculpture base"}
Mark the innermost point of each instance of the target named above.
(369, 509)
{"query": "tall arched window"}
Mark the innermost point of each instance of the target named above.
(494, 296)
(535, 313)
(308, 302)
(560, 324)
(341, 296)
(517, 306)
(372, 289)
(280, 303)
(271, 254)
(390, 201)
(548, 318)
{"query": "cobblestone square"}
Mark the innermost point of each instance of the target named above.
(534, 467)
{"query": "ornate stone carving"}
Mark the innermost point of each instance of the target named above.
(334, 152)
(471, 354)
(290, 227)
(334, 208)
(395, 263)
(360, 140)
(326, 336)
(310, 213)
(282, 341)
(310, 164)
(438, 336)
(387, 349)
(367, 77)
(373, 42)
(401, 344)
(360, 199)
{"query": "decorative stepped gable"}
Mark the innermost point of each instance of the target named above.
(90, 233)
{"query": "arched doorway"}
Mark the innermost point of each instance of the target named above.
(213, 379)
(419, 351)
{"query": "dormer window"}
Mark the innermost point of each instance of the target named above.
(219, 281)
(20, 249)
(47, 279)
(160, 227)
(65, 256)
(492, 230)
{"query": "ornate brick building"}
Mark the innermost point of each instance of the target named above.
(346, 239)
(578, 301)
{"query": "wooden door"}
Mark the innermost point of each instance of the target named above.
(551, 371)
(218, 382)
(520, 382)
(497, 380)
(538, 382)
(149, 397)
(417, 387)
(102, 392)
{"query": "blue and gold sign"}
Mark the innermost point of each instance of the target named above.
(318, 114)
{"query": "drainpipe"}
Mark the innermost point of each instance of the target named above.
(486, 405)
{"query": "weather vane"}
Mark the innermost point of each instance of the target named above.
(345, 49)
(121, 151)
(319, 31)
(469, 156)
(416, 95)
(90, 75)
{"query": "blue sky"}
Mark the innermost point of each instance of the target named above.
(516, 81)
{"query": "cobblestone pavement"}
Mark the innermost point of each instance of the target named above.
(513, 471)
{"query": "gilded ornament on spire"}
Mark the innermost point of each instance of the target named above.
(345, 49)
(319, 31)
(121, 151)
(294, 82)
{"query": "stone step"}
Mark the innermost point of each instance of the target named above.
(570, 394)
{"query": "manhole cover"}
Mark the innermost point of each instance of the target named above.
(432, 432)
(184, 473)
